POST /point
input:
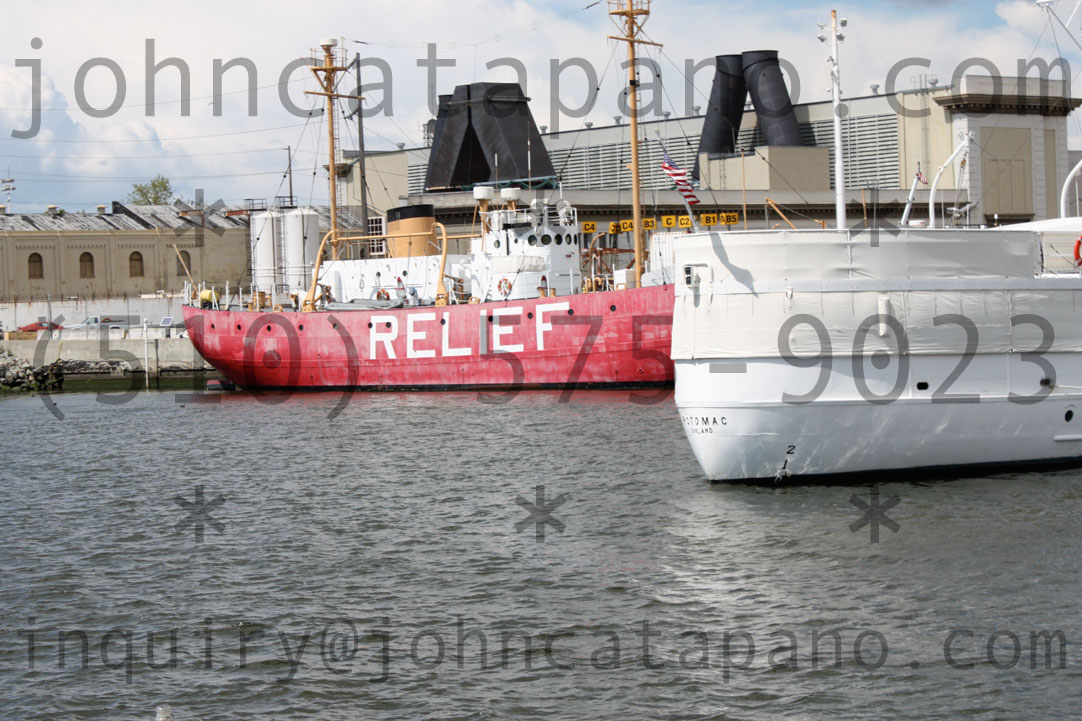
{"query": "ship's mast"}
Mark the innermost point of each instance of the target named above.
(629, 16)
(325, 76)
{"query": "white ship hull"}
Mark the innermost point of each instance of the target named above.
(813, 354)
(740, 429)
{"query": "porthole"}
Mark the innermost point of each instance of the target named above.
(302, 326)
(559, 239)
(268, 327)
(496, 244)
(443, 321)
(529, 315)
(212, 326)
(1068, 416)
(571, 311)
(612, 308)
(516, 240)
(532, 240)
(546, 239)
(369, 325)
(388, 324)
(490, 319)
(922, 386)
(238, 326)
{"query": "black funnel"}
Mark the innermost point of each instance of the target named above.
(728, 95)
(483, 132)
(770, 98)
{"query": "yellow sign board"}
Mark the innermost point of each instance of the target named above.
(614, 227)
(708, 219)
(668, 221)
(684, 221)
(730, 218)
(589, 227)
(626, 226)
(649, 223)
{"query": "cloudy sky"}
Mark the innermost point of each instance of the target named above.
(85, 153)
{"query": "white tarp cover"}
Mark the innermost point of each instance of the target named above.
(715, 321)
(753, 256)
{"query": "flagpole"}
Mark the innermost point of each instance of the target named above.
(691, 216)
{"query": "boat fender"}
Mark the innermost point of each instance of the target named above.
(1078, 252)
(504, 286)
(278, 309)
(381, 294)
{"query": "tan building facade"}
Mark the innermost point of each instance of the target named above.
(127, 253)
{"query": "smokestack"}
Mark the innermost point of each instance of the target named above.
(770, 98)
(725, 109)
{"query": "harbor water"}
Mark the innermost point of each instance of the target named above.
(471, 556)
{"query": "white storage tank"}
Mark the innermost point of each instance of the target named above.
(262, 233)
(300, 230)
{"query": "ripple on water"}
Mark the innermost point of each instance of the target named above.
(393, 525)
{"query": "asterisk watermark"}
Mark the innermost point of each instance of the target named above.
(875, 513)
(540, 513)
(199, 513)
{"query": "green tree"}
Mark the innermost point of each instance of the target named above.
(159, 191)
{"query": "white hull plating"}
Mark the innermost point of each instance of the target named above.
(753, 434)
(811, 355)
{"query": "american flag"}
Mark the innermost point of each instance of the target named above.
(680, 177)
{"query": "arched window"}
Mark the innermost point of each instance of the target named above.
(86, 265)
(35, 268)
(184, 260)
(135, 264)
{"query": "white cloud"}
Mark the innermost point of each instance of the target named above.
(272, 34)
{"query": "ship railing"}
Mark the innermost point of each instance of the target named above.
(457, 290)
(597, 283)
(1058, 263)
(368, 248)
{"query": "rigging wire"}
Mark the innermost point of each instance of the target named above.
(596, 91)
(166, 140)
(156, 103)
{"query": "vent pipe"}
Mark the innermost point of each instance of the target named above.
(770, 98)
(101, 210)
(725, 110)
(51, 210)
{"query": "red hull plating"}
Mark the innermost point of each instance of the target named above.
(616, 338)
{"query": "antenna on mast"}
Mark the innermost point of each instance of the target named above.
(835, 37)
(8, 186)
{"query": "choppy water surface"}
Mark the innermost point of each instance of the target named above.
(432, 556)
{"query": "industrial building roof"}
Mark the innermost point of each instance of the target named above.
(149, 217)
